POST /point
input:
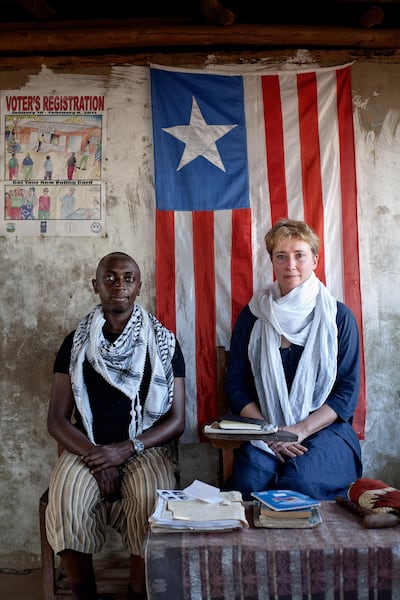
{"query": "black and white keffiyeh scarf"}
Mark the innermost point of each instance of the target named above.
(122, 363)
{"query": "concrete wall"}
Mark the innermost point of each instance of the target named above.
(45, 282)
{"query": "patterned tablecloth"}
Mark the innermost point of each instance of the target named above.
(339, 560)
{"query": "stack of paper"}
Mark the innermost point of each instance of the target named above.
(285, 509)
(199, 507)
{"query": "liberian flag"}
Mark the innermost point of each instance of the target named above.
(233, 153)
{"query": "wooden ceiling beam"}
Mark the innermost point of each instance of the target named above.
(66, 37)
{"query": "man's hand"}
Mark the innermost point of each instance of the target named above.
(109, 483)
(104, 457)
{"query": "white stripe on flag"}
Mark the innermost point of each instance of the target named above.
(186, 307)
(223, 248)
(258, 181)
(290, 120)
(330, 169)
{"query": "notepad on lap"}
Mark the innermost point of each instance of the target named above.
(245, 423)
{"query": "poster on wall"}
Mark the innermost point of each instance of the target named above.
(52, 153)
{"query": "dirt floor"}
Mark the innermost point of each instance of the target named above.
(17, 586)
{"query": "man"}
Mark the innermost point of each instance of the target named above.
(13, 167)
(120, 375)
(44, 205)
(67, 204)
(70, 164)
(40, 142)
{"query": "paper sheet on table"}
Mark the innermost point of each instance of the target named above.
(197, 510)
(203, 491)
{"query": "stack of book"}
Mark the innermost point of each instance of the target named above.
(284, 509)
(234, 422)
(177, 510)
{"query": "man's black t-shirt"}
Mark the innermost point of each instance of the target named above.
(110, 407)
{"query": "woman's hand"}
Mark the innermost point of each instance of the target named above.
(320, 418)
(284, 450)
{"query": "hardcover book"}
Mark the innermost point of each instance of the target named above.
(237, 422)
(296, 513)
(280, 500)
(286, 522)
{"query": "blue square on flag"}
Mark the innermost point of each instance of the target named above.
(200, 149)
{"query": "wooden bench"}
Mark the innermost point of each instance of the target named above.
(225, 450)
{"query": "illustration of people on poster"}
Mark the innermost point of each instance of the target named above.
(52, 155)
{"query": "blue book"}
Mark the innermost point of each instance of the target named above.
(285, 500)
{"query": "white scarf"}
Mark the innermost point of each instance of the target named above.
(305, 316)
(122, 363)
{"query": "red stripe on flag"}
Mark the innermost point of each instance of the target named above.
(165, 271)
(274, 147)
(311, 160)
(205, 299)
(241, 261)
(351, 265)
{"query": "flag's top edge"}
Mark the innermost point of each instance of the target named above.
(250, 69)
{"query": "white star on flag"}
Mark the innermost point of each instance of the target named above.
(199, 138)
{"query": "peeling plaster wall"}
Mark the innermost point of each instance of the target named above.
(46, 282)
(377, 121)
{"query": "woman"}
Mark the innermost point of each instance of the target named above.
(294, 361)
(28, 205)
(27, 167)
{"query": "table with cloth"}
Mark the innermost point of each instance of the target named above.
(339, 559)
